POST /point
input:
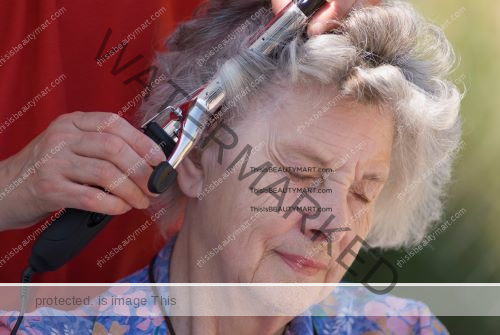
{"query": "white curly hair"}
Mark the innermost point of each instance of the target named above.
(386, 55)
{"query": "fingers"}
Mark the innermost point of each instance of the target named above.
(68, 194)
(113, 124)
(328, 17)
(108, 152)
(111, 148)
(94, 200)
(279, 5)
(71, 157)
(97, 172)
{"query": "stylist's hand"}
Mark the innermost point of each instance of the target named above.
(328, 16)
(55, 170)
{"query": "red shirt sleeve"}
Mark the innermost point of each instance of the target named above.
(50, 46)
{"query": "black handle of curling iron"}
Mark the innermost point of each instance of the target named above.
(65, 238)
(75, 228)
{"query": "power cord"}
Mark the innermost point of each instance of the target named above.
(25, 279)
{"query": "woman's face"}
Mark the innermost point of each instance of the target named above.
(354, 140)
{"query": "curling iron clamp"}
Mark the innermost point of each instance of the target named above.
(182, 132)
(73, 230)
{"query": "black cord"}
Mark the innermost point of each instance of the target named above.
(155, 289)
(25, 278)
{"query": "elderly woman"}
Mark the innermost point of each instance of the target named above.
(330, 134)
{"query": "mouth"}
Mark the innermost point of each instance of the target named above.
(301, 265)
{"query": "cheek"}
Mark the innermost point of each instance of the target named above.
(360, 218)
(230, 218)
(360, 229)
(364, 224)
(338, 264)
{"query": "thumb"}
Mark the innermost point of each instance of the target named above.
(279, 5)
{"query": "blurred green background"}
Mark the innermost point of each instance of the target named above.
(469, 250)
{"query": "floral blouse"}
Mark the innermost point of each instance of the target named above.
(403, 316)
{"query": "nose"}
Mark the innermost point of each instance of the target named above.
(324, 215)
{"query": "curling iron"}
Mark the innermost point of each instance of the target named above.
(177, 136)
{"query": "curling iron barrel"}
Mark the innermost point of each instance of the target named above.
(206, 103)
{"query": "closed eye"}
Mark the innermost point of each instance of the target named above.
(367, 191)
(299, 178)
(361, 197)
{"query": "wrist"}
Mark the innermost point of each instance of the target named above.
(14, 206)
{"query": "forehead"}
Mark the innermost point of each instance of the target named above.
(327, 126)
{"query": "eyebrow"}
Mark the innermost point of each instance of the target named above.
(378, 176)
(308, 154)
(374, 178)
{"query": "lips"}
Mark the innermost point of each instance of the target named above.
(299, 264)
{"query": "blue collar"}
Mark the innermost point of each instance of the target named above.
(161, 262)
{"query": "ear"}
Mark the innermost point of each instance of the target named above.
(190, 177)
